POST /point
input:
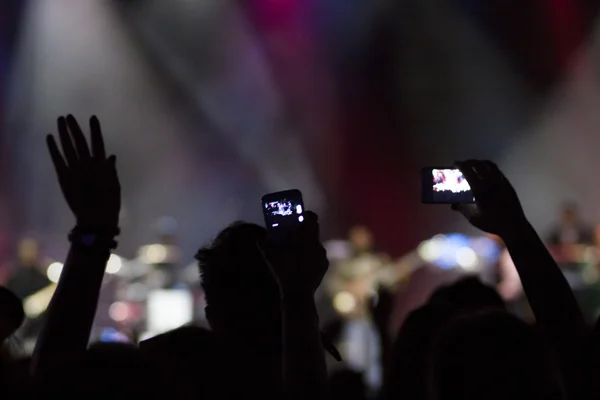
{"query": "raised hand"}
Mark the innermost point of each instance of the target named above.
(87, 177)
(497, 208)
(300, 264)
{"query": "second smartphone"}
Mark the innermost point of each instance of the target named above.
(447, 185)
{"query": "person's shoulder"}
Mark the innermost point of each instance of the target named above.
(186, 338)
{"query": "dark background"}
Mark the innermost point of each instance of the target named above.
(210, 104)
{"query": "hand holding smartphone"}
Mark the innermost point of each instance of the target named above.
(445, 185)
(283, 211)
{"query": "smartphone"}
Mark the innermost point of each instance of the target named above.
(283, 211)
(444, 185)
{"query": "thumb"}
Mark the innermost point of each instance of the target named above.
(468, 210)
(310, 227)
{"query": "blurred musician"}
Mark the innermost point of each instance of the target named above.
(28, 278)
(570, 230)
(572, 241)
(354, 275)
(355, 271)
(29, 272)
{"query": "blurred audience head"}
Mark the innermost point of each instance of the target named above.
(468, 294)
(491, 355)
(361, 239)
(167, 229)
(569, 212)
(239, 288)
(111, 368)
(176, 354)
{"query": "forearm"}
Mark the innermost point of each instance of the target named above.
(304, 366)
(70, 316)
(547, 290)
(552, 301)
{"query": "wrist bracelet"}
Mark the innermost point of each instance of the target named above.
(94, 238)
(96, 230)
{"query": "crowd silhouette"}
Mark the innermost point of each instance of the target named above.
(265, 339)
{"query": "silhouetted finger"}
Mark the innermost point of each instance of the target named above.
(480, 169)
(66, 143)
(466, 167)
(311, 218)
(59, 163)
(491, 170)
(113, 175)
(98, 151)
(78, 138)
(494, 171)
(311, 223)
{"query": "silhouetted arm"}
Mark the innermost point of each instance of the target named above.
(549, 294)
(499, 211)
(68, 321)
(304, 366)
(91, 188)
(299, 269)
(552, 301)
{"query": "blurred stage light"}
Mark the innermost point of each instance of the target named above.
(431, 250)
(467, 258)
(38, 302)
(169, 309)
(114, 264)
(154, 254)
(119, 311)
(344, 302)
(456, 250)
(111, 335)
(54, 270)
(486, 247)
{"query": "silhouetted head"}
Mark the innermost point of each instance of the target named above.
(189, 360)
(240, 291)
(11, 313)
(569, 213)
(468, 294)
(28, 252)
(410, 358)
(491, 355)
(107, 369)
(361, 239)
(347, 385)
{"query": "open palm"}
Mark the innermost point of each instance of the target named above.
(87, 177)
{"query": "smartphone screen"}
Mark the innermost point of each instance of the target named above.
(283, 210)
(444, 186)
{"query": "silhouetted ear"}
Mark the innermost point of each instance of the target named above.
(211, 317)
(208, 313)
